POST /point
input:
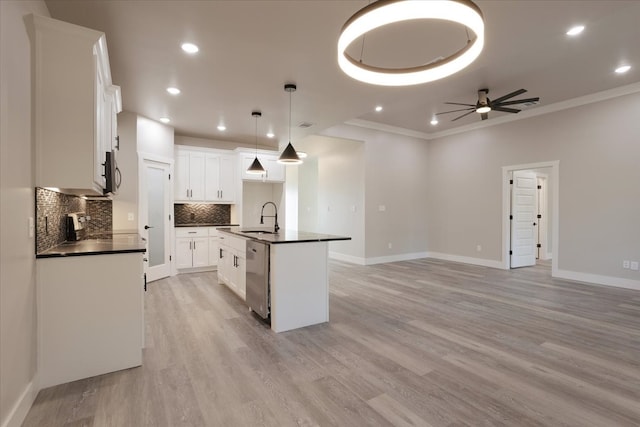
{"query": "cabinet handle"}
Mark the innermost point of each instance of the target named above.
(190, 248)
(194, 246)
(221, 194)
(220, 253)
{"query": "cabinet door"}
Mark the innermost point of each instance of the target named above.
(99, 147)
(224, 265)
(200, 251)
(182, 176)
(240, 276)
(212, 178)
(275, 170)
(227, 179)
(214, 251)
(184, 256)
(196, 176)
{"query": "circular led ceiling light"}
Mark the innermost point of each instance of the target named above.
(384, 12)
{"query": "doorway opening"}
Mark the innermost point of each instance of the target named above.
(530, 215)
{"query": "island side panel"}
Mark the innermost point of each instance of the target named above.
(299, 285)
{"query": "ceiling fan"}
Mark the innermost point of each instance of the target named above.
(484, 104)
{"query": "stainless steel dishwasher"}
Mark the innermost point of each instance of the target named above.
(258, 277)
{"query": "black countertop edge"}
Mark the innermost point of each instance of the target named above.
(284, 236)
(71, 254)
(206, 225)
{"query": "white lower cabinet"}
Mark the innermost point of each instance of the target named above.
(192, 247)
(232, 267)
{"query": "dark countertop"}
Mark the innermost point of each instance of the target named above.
(115, 243)
(283, 236)
(206, 225)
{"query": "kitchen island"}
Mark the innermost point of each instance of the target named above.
(298, 276)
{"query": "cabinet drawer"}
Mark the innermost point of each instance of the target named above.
(192, 232)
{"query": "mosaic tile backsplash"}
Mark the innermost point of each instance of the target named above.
(52, 209)
(200, 213)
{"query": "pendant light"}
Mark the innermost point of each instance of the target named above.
(256, 167)
(289, 156)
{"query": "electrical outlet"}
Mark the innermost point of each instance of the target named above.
(390, 245)
(634, 265)
(382, 208)
(479, 248)
(625, 264)
(31, 226)
(130, 216)
(353, 208)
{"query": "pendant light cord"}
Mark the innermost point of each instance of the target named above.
(290, 116)
(256, 135)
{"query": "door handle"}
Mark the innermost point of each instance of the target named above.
(535, 223)
(146, 227)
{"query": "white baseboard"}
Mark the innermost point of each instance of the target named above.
(19, 411)
(598, 279)
(395, 258)
(347, 258)
(466, 260)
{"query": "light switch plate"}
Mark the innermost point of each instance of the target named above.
(382, 208)
(31, 227)
(130, 216)
(634, 265)
(625, 264)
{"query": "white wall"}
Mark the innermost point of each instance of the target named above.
(331, 192)
(17, 249)
(154, 138)
(126, 200)
(396, 178)
(599, 195)
(222, 145)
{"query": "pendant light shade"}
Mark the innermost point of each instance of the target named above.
(289, 156)
(256, 167)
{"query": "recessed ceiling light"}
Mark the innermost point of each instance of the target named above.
(574, 31)
(165, 119)
(623, 69)
(222, 127)
(379, 108)
(190, 48)
(434, 121)
(173, 90)
(270, 135)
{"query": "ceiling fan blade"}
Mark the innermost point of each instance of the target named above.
(518, 101)
(506, 110)
(465, 114)
(457, 103)
(484, 116)
(454, 111)
(509, 95)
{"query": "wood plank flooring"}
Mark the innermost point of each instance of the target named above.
(416, 343)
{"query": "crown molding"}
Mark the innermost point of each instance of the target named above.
(552, 108)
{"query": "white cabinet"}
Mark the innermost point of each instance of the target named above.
(75, 102)
(214, 247)
(204, 176)
(274, 171)
(192, 247)
(190, 177)
(232, 268)
(220, 178)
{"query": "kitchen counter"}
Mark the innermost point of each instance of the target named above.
(201, 224)
(102, 245)
(266, 235)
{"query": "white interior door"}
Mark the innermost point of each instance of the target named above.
(523, 210)
(155, 217)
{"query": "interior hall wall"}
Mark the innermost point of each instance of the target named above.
(395, 170)
(331, 194)
(18, 343)
(598, 149)
(126, 199)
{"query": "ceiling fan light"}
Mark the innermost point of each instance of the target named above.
(256, 167)
(289, 156)
(381, 13)
(483, 109)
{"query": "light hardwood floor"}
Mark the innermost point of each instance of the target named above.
(416, 343)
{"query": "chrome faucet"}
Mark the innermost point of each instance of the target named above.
(262, 215)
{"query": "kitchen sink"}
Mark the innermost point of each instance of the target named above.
(258, 231)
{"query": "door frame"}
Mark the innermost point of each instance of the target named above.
(170, 231)
(506, 209)
(543, 209)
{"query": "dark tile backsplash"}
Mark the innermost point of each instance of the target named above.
(200, 213)
(52, 208)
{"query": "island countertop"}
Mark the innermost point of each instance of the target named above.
(103, 245)
(267, 235)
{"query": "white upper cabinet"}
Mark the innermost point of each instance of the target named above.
(75, 106)
(274, 171)
(204, 176)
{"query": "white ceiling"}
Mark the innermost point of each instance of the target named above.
(249, 49)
